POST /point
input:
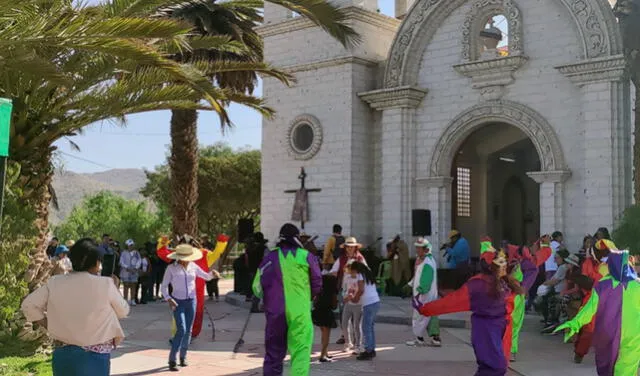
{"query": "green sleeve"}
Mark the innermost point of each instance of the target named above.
(425, 279)
(257, 286)
(583, 317)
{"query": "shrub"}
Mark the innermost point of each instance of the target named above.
(627, 234)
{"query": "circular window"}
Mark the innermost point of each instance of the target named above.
(304, 137)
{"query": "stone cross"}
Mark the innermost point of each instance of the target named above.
(302, 177)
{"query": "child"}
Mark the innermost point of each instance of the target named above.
(323, 313)
(352, 311)
(367, 295)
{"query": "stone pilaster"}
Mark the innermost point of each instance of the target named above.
(552, 199)
(438, 200)
(398, 155)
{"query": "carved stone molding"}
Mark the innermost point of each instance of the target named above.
(605, 69)
(476, 19)
(435, 181)
(491, 76)
(352, 13)
(329, 63)
(397, 97)
(598, 30)
(317, 137)
(549, 176)
(527, 120)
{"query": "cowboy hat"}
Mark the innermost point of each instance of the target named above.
(351, 242)
(573, 260)
(422, 243)
(185, 252)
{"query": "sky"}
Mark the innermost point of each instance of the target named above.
(144, 142)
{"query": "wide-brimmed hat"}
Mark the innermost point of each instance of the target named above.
(422, 243)
(351, 242)
(185, 252)
(573, 260)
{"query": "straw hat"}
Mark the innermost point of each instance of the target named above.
(69, 243)
(185, 252)
(351, 242)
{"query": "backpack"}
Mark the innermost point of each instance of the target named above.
(337, 249)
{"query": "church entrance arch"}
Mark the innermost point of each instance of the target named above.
(493, 154)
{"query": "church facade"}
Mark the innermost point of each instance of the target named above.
(510, 118)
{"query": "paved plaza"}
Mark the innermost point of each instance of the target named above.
(146, 349)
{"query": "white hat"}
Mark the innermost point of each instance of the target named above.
(129, 242)
(351, 242)
(573, 260)
(423, 243)
(185, 252)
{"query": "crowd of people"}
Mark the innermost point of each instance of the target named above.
(299, 288)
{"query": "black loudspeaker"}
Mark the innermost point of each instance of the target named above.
(421, 222)
(245, 229)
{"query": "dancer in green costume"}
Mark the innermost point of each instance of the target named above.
(287, 279)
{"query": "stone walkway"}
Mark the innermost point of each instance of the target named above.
(146, 349)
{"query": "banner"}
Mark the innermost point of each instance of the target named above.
(5, 124)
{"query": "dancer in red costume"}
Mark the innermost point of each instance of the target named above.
(489, 296)
(594, 268)
(208, 259)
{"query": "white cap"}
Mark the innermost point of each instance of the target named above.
(129, 242)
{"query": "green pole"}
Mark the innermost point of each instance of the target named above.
(5, 125)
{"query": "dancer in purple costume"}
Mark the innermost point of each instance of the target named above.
(287, 279)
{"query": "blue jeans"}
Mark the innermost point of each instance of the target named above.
(183, 315)
(369, 313)
(76, 361)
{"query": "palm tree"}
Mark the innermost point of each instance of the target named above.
(237, 19)
(628, 13)
(93, 64)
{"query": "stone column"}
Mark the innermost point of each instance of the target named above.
(398, 155)
(552, 200)
(438, 200)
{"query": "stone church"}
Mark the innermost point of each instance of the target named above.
(510, 118)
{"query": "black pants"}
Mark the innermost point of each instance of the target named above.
(212, 288)
(158, 274)
(146, 287)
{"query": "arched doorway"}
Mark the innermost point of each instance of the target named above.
(491, 193)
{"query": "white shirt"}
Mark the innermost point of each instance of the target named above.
(370, 295)
(183, 281)
(550, 265)
(145, 265)
(81, 309)
(130, 259)
(350, 286)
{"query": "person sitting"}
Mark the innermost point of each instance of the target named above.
(550, 298)
(84, 334)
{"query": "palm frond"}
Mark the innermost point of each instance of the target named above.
(216, 67)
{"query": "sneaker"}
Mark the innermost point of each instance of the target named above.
(577, 359)
(347, 348)
(367, 355)
(416, 343)
(549, 328)
(435, 342)
(513, 357)
(325, 359)
(340, 341)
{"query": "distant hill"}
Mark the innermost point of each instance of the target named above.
(72, 187)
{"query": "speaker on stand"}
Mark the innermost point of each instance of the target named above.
(421, 222)
(245, 230)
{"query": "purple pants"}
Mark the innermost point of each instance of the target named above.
(486, 339)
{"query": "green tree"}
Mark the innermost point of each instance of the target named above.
(108, 213)
(236, 19)
(228, 187)
(66, 66)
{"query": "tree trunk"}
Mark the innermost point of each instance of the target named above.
(36, 175)
(183, 172)
(628, 13)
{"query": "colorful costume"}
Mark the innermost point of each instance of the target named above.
(208, 259)
(594, 270)
(516, 255)
(287, 279)
(425, 288)
(615, 303)
(491, 328)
